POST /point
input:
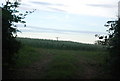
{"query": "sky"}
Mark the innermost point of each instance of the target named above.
(70, 20)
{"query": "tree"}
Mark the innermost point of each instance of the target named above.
(114, 46)
(11, 16)
(9, 30)
(112, 41)
(10, 46)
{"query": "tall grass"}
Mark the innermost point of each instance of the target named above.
(53, 44)
(26, 56)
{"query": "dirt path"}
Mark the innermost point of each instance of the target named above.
(39, 68)
(35, 70)
(90, 70)
(86, 69)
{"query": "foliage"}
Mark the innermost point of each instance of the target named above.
(99, 42)
(11, 16)
(102, 40)
(115, 47)
(9, 44)
(112, 41)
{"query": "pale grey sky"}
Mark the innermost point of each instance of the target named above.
(72, 20)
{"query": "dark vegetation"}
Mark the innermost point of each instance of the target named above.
(112, 42)
(10, 45)
(114, 47)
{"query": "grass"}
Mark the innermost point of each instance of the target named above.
(62, 65)
(63, 45)
(26, 56)
(70, 62)
(51, 63)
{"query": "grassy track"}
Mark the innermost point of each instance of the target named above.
(35, 62)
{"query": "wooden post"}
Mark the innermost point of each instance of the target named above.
(57, 38)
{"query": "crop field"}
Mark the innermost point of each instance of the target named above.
(65, 45)
(50, 59)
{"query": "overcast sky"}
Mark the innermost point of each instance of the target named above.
(72, 20)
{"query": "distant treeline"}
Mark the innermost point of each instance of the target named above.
(53, 44)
